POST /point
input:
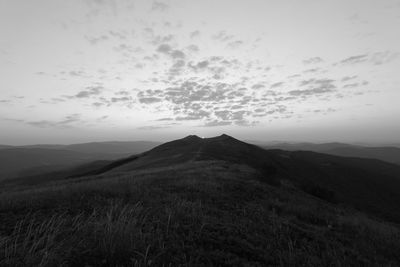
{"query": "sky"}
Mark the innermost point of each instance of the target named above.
(95, 70)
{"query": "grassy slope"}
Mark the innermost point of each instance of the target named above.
(198, 213)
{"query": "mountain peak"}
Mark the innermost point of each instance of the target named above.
(192, 137)
(222, 137)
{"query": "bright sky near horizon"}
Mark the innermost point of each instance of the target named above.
(92, 70)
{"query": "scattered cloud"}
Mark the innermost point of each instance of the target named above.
(355, 59)
(380, 58)
(223, 36)
(159, 6)
(351, 85)
(120, 99)
(313, 60)
(215, 123)
(235, 44)
(195, 34)
(67, 122)
(177, 54)
(276, 85)
(314, 91)
(152, 127)
(164, 48)
(90, 91)
(348, 78)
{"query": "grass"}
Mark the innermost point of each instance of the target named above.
(201, 214)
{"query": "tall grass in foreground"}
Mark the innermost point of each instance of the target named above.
(180, 234)
(110, 235)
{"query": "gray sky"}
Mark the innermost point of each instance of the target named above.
(310, 70)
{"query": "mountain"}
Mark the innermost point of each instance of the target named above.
(389, 154)
(367, 184)
(40, 159)
(206, 202)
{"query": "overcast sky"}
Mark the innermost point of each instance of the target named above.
(310, 70)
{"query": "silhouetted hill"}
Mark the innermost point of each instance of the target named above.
(389, 154)
(194, 148)
(369, 185)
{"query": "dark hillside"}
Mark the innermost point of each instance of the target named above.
(369, 185)
(201, 213)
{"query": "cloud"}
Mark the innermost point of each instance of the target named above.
(380, 58)
(377, 58)
(90, 91)
(119, 35)
(177, 54)
(245, 123)
(319, 84)
(160, 39)
(164, 48)
(97, 104)
(306, 82)
(41, 124)
(66, 122)
(96, 40)
(324, 111)
(224, 114)
(314, 91)
(188, 118)
(102, 118)
(165, 119)
(258, 86)
(159, 6)
(315, 87)
(275, 85)
(311, 70)
(351, 85)
(149, 100)
(193, 48)
(355, 59)
(70, 118)
(215, 102)
(152, 127)
(348, 78)
(199, 65)
(77, 73)
(122, 92)
(215, 123)
(120, 99)
(235, 44)
(223, 36)
(313, 60)
(195, 34)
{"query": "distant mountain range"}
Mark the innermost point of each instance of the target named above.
(387, 153)
(35, 159)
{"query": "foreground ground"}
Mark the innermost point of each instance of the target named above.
(195, 214)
